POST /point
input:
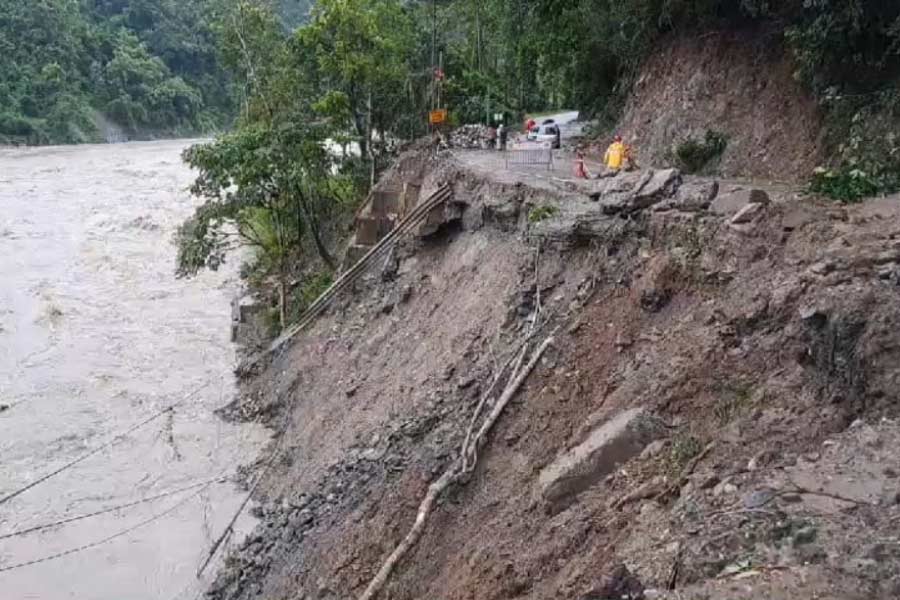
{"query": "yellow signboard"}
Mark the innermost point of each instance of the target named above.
(438, 116)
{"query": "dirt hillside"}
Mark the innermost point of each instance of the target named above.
(739, 84)
(716, 417)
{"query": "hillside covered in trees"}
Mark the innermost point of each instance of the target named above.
(358, 73)
(149, 67)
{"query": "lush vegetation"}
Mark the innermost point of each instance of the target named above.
(321, 107)
(71, 66)
(325, 96)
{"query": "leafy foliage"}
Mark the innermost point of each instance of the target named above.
(846, 186)
(150, 66)
(541, 213)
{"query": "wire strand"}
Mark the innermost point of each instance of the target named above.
(165, 494)
(102, 447)
(105, 540)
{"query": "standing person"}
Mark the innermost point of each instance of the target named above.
(502, 133)
(615, 154)
(581, 171)
(529, 125)
(491, 137)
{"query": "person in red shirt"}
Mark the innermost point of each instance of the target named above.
(529, 125)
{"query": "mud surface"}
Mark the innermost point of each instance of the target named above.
(96, 335)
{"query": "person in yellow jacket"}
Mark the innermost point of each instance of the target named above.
(616, 154)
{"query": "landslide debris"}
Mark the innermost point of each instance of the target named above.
(756, 332)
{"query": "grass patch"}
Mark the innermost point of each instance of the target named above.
(684, 447)
(541, 213)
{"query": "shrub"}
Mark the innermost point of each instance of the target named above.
(694, 155)
(541, 213)
(844, 185)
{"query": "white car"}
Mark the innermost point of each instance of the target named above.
(545, 134)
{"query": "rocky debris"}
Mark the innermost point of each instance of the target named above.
(469, 137)
(731, 201)
(616, 441)
(747, 214)
(692, 196)
(735, 358)
(617, 584)
(630, 192)
(426, 436)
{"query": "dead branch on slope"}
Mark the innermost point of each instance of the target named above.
(457, 468)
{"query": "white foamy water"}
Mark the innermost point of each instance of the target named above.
(96, 334)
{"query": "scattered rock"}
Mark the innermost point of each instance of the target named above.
(724, 488)
(731, 201)
(653, 449)
(746, 214)
(694, 196)
(709, 481)
(618, 440)
(758, 498)
(805, 535)
(617, 584)
(374, 454)
(654, 300)
(469, 137)
(623, 341)
(466, 382)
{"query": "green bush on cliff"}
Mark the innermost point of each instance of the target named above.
(843, 185)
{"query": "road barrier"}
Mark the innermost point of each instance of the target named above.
(530, 156)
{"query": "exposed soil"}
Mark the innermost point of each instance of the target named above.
(771, 343)
(740, 84)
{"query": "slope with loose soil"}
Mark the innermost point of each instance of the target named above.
(765, 345)
(739, 84)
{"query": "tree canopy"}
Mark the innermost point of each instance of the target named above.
(149, 66)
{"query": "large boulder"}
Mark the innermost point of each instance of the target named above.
(616, 441)
(635, 191)
(732, 201)
(693, 196)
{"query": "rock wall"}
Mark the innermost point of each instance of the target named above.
(740, 84)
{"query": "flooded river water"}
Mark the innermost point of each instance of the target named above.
(97, 335)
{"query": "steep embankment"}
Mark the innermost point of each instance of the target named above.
(740, 84)
(761, 348)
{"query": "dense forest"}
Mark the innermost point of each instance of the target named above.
(74, 69)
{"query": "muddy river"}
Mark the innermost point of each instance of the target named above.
(97, 335)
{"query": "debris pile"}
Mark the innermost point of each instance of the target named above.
(469, 137)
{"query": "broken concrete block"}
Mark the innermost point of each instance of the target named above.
(605, 448)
